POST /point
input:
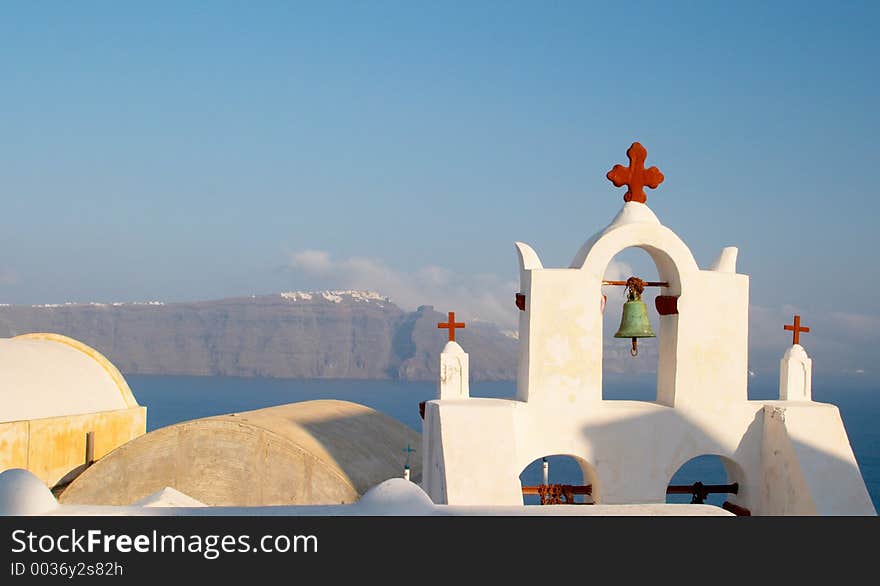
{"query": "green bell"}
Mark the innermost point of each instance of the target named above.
(634, 323)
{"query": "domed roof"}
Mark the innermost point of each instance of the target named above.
(309, 453)
(22, 493)
(50, 375)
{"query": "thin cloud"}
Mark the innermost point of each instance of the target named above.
(9, 277)
(315, 261)
(838, 342)
(485, 296)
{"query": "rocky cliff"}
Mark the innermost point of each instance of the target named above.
(330, 334)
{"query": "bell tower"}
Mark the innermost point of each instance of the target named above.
(474, 449)
(703, 313)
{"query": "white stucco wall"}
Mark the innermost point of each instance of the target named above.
(629, 450)
(809, 465)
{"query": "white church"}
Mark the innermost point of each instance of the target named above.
(789, 456)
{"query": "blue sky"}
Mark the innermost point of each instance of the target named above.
(178, 151)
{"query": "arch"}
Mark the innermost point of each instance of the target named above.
(637, 227)
(624, 377)
(674, 261)
(566, 475)
(703, 468)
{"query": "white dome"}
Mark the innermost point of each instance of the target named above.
(22, 493)
(397, 496)
(49, 375)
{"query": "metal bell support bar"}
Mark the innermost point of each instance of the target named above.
(697, 490)
(700, 491)
(647, 283)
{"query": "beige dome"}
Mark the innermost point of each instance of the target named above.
(50, 375)
(308, 453)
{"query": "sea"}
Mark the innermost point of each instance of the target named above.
(172, 399)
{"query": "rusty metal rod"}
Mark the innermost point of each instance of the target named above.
(569, 488)
(706, 488)
(736, 509)
(647, 283)
(671, 489)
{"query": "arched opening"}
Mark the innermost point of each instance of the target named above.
(707, 479)
(564, 478)
(627, 377)
(674, 266)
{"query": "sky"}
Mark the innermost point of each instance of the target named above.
(178, 150)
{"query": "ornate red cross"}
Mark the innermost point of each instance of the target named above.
(635, 176)
(451, 326)
(796, 329)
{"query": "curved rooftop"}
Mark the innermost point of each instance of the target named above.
(49, 375)
(313, 452)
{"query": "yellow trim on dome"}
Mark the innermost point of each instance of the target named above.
(102, 360)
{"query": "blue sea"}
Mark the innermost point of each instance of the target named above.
(171, 399)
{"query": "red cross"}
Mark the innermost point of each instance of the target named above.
(636, 177)
(796, 329)
(451, 326)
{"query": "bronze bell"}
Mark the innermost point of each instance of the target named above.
(634, 322)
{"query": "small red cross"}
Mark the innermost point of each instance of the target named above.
(636, 177)
(796, 329)
(451, 326)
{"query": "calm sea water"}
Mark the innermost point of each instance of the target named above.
(171, 399)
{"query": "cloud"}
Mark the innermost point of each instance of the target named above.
(485, 296)
(618, 271)
(315, 261)
(838, 342)
(9, 277)
(864, 327)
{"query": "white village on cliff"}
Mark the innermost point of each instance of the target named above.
(73, 441)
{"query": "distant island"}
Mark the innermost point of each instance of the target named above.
(327, 334)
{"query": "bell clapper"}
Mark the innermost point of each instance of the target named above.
(635, 348)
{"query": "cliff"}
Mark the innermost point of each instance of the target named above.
(331, 334)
